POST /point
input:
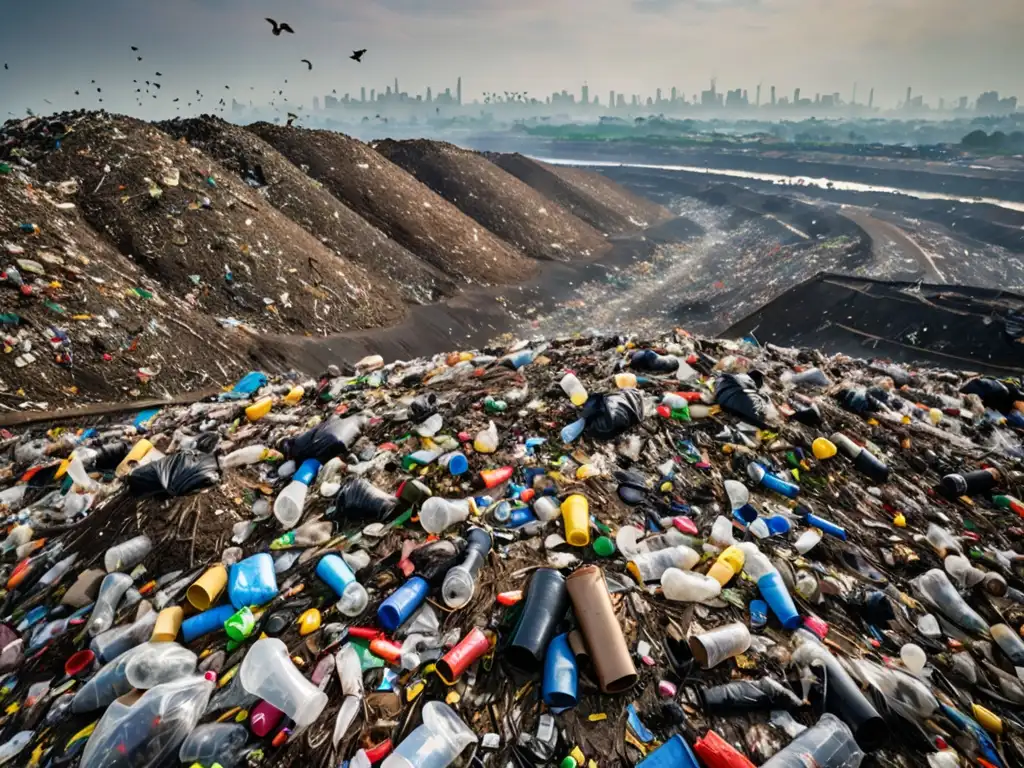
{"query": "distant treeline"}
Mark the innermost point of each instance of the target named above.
(997, 141)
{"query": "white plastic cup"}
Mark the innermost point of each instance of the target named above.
(268, 672)
(436, 743)
(913, 657)
(289, 504)
(547, 508)
(712, 648)
(437, 514)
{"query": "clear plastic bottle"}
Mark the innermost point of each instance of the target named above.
(574, 388)
(689, 587)
(111, 591)
(437, 514)
(112, 643)
(649, 566)
(942, 541)
(436, 743)
(290, 502)
(251, 454)
(127, 554)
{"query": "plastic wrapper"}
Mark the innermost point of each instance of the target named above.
(609, 416)
(106, 685)
(179, 474)
(210, 743)
(434, 744)
(935, 588)
(738, 394)
(153, 664)
(146, 733)
(763, 694)
(905, 694)
(112, 643)
(360, 500)
(829, 744)
(324, 441)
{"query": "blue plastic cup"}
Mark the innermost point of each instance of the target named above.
(777, 524)
(674, 753)
(252, 581)
(402, 603)
(561, 676)
(307, 472)
(458, 464)
(773, 590)
(206, 622)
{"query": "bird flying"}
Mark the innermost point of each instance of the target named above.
(279, 28)
(135, 47)
(308, 63)
(358, 55)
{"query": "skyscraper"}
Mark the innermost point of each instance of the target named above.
(429, 95)
(773, 95)
(673, 94)
(611, 99)
(758, 95)
(362, 93)
(871, 98)
(796, 97)
(906, 104)
(458, 91)
(585, 94)
(657, 97)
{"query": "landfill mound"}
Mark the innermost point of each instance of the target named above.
(587, 551)
(641, 211)
(206, 236)
(977, 328)
(80, 322)
(306, 202)
(578, 201)
(496, 200)
(396, 203)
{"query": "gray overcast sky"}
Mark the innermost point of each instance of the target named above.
(940, 47)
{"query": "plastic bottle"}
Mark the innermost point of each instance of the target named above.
(259, 409)
(437, 514)
(572, 431)
(942, 541)
(13, 746)
(863, 460)
(251, 454)
(268, 672)
(336, 573)
(649, 566)
(762, 477)
(728, 564)
(829, 744)
(576, 516)
(574, 389)
(210, 743)
(936, 589)
(738, 494)
(625, 380)
(769, 582)
(688, 587)
(460, 581)
(289, 503)
(77, 468)
(962, 572)
(112, 643)
(402, 603)
(434, 744)
(135, 455)
(293, 397)
(111, 591)
(127, 554)
(547, 508)
(972, 483)
(486, 440)
(155, 663)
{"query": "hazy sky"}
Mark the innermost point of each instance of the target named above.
(940, 47)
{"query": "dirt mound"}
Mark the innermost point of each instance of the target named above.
(80, 322)
(640, 211)
(496, 199)
(307, 203)
(396, 203)
(207, 238)
(568, 195)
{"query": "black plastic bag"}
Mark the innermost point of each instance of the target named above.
(207, 441)
(423, 407)
(860, 400)
(433, 561)
(737, 393)
(361, 500)
(324, 441)
(997, 395)
(608, 416)
(179, 474)
(108, 456)
(649, 361)
(746, 695)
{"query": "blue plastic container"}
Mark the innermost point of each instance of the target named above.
(206, 622)
(827, 527)
(306, 473)
(335, 573)
(561, 676)
(402, 603)
(458, 465)
(252, 581)
(773, 590)
(674, 753)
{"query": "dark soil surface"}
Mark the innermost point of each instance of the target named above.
(306, 202)
(396, 203)
(207, 237)
(496, 199)
(641, 211)
(553, 186)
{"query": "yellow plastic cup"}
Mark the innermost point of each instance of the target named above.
(728, 564)
(168, 622)
(823, 448)
(207, 588)
(576, 517)
(259, 409)
(625, 380)
(294, 395)
(135, 455)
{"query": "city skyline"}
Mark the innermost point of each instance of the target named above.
(951, 48)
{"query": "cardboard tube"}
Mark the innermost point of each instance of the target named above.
(593, 608)
(208, 587)
(168, 622)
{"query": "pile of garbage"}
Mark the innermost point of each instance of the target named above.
(585, 551)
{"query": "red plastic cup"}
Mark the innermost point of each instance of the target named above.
(716, 752)
(80, 663)
(264, 718)
(457, 660)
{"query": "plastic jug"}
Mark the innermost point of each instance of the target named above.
(434, 744)
(259, 409)
(437, 514)
(289, 503)
(269, 673)
(486, 440)
(574, 389)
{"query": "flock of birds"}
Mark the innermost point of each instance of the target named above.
(151, 87)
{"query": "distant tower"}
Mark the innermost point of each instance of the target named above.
(585, 94)
(759, 94)
(854, 99)
(657, 96)
(871, 98)
(611, 99)
(673, 94)
(906, 104)
(458, 91)
(373, 94)
(316, 103)
(362, 93)
(773, 95)
(396, 87)
(796, 96)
